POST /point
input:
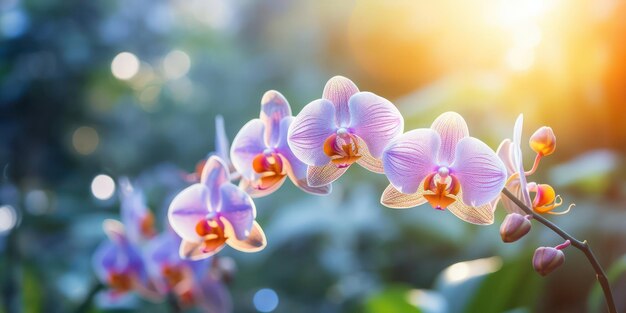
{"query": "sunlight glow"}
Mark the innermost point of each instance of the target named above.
(463, 271)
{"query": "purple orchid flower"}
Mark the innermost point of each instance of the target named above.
(510, 152)
(214, 212)
(344, 127)
(445, 167)
(136, 217)
(261, 154)
(187, 280)
(119, 265)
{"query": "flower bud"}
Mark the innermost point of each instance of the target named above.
(547, 259)
(514, 227)
(543, 141)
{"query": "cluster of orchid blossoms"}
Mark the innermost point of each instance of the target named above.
(441, 165)
(134, 258)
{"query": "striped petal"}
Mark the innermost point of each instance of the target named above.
(318, 176)
(198, 250)
(480, 215)
(375, 120)
(187, 209)
(451, 128)
(368, 161)
(274, 107)
(338, 91)
(237, 207)
(296, 169)
(480, 172)
(393, 198)
(309, 130)
(248, 143)
(410, 158)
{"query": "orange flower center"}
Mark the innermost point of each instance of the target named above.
(270, 166)
(440, 190)
(342, 148)
(146, 225)
(172, 274)
(546, 199)
(120, 281)
(212, 232)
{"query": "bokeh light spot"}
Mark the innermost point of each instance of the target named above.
(36, 202)
(103, 187)
(176, 64)
(265, 300)
(125, 65)
(85, 140)
(8, 218)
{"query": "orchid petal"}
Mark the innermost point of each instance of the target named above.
(367, 160)
(198, 250)
(105, 260)
(252, 187)
(309, 130)
(274, 107)
(256, 240)
(509, 206)
(451, 128)
(393, 198)
(318, 176)
(505, 153)
(187, 209)
(136, 216)
(296, 169)
(480, 215)
(248, 143)
(222, 149)
(338, 90)
(115, 230)
(375, 120)
(519, 160)
(237, 207)
(480, 172)
(410, 158)
(214, 296)
(214, 174)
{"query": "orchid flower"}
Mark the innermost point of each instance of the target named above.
(546, 199)
(261, 154)
(119, 265)
(137, 218)
(183, 278)
(445, 167)
(344, 127)
(222, 148)
(214, 212)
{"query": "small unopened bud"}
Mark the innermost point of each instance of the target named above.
(514, 227)
(543, 141)
(547, 259)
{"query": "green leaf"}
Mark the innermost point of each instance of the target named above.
(514, 285)
(393, 299)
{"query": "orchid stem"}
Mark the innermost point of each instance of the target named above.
(86, 304)
(580, 245)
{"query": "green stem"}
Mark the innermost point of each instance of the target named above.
(86, 304)
(580, 245)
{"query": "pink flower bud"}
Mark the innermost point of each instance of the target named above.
(547, 259)
(514, 227)
(543, 141)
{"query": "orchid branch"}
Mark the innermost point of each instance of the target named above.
(580, 245)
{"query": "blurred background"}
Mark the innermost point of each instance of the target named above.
(94, 90)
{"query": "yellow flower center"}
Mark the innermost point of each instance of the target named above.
(342, 148)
